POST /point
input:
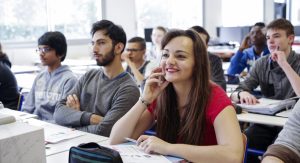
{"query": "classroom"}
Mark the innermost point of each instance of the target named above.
(150, 81)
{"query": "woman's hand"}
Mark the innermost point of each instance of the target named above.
(154, 85)
(152, 144)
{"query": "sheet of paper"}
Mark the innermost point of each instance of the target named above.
(132, 154)
(61, 136)
(55, 133)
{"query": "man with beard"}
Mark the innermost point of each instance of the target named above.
(253, 47)
(104, 95)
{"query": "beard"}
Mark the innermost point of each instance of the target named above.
(107, 59)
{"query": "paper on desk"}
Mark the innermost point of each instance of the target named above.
(62, 135)
(132, 154)
(55, 133)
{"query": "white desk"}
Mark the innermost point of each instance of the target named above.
(18, 69)
(17, 114)
(25, 81)
(52, 129)
(261, 119)
(79, 62)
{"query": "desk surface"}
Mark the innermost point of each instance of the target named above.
(19, 69)
(261, 119)
(25, 81)
(51, 130)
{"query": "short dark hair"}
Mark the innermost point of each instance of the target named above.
(260, 24)
(55, 40)
(114, 32)
(282, 24)
(200, 29)
(141, 41)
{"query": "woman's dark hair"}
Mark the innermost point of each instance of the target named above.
(55, 40)
(190, 128)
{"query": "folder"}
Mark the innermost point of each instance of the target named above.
(269, 106)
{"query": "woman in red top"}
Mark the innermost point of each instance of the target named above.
(195, 119)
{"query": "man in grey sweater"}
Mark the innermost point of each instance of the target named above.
(104, 95)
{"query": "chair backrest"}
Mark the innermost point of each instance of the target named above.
(20, 102)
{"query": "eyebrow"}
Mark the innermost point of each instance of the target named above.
(101, 39)
(274, 34)
(177, 51)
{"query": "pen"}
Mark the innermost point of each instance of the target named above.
(131, 140)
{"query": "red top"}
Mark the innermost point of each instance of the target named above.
(217, 102)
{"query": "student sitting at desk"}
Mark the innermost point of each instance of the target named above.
(216, 70)
(195, 118)
(272, 73)
(55, 82)
(253, 47)
(9, 93)
(134, 56)
(101, 96)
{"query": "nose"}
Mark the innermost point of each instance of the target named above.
(170, 60)
(94, 48)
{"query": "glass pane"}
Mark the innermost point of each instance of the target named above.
(22, 20)
(74, 21)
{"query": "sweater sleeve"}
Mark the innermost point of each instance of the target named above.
(236, 67)
(283, 153)
(66, 116)
(29, 103)
(123, 101)
(252, 80)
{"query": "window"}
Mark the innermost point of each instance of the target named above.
(295, 12)
(242, 12)
(27, 20)
(168, 13)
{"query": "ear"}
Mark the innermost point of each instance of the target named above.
(119, 47)
(291, 39)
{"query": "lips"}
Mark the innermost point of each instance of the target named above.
(171, 70)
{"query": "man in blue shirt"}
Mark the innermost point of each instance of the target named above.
(247, 54)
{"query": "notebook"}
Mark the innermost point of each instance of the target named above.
(269, 106)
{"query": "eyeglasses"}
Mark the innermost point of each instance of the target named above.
(134, 50)
(43, 50)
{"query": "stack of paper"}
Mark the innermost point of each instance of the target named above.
(268, 106)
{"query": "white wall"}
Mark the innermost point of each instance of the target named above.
(212, 16)
(122, 12)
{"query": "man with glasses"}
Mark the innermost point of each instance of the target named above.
(55, 82)
(134, 56)
(101, 96)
